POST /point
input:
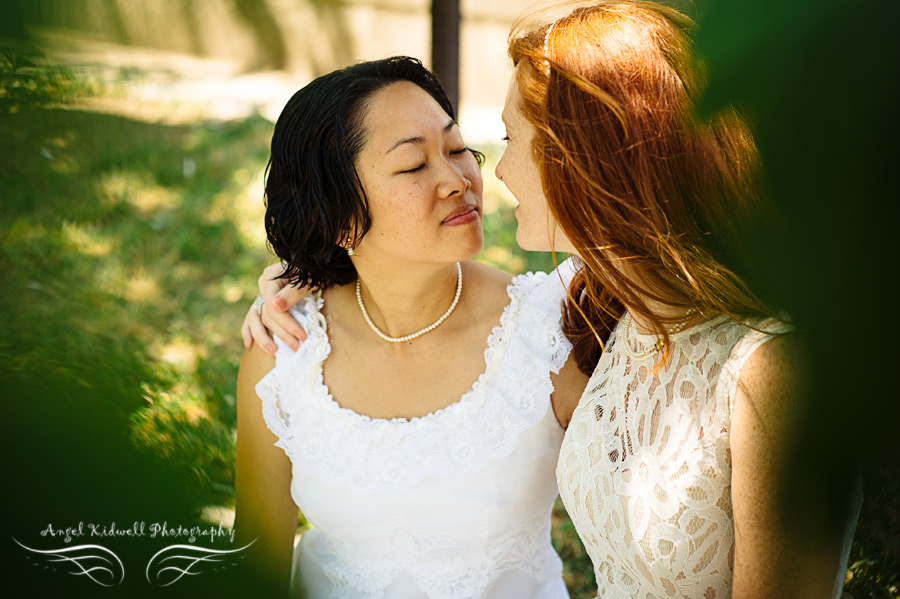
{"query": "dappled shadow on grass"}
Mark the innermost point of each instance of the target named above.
(129, 252)
(124, 266)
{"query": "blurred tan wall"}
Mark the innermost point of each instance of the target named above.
(304, 37)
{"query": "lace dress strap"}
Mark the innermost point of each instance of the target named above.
(286, 379)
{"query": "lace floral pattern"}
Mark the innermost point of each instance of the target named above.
(360, 573)
(455, 440)
(455, 503)
(645, 466)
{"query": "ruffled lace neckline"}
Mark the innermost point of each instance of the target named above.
(367, 454)
(497, 343)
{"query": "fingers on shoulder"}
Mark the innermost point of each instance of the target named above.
(272, 270)
(289, 295)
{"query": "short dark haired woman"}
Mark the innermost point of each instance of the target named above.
(670, 468)
(418, 426)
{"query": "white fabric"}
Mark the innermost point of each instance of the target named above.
(645, 466)
(452, 505)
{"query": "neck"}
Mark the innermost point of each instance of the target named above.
(670, 315)
(401, 301)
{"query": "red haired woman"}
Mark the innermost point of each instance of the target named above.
(671, 465)
(671, 461)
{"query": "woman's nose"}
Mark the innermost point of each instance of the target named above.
(453, 179)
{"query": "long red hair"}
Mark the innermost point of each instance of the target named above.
(644, 188)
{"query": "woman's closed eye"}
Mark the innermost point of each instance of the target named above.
(413, 170)
(460, 152)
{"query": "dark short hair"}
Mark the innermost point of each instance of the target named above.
(314, 198)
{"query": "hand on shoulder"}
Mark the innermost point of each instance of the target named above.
(272, 317)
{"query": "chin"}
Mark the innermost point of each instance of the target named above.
(474, 249)
(468, 248)
(529, 244)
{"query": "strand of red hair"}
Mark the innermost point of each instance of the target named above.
(648, 191)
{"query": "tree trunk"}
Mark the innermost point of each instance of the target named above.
(445, 19)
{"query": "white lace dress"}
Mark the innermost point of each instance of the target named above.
(645, 466)
(452, 505)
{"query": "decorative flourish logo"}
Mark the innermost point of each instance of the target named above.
(167, 566)
(94, 561)
(182, 558)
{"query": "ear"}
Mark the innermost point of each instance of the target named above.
(348, 244)
(350, 240)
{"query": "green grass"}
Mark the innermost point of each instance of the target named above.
(129, 252)
(110, 250)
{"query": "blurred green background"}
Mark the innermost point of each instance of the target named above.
(130, 243)
(130, 252)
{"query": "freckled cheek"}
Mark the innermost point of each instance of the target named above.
(513, 180)
(398, 212)
(477, 181)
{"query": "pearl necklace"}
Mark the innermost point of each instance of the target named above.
(639, 355)
(419, 333)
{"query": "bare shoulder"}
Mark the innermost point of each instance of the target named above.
(486, 288)
(488, 276)
(775, 374)
(771, 396)
(255, 364)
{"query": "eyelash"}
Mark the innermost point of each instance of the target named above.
(505, 138)
(421, 166)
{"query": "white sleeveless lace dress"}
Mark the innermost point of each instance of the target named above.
(645, 466)
(452, 505)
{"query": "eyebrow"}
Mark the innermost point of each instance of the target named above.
(419, 139)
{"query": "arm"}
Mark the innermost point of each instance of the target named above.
(265, 510)
(568, 386)
(774, 556)
(274, 318)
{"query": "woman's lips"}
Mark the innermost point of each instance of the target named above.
(461, 216)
